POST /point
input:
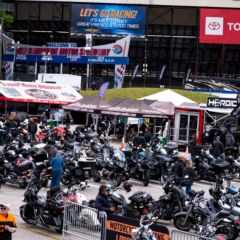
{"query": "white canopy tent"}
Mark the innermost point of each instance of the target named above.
(169, 95)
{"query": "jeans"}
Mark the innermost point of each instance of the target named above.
(32, 137)
(56, 176)
(188, 188)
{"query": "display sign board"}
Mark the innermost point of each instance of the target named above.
(108, 19)
(219, 26)
(113, 53)
(222, 102)
(119, 227)
(38, 92)
(62, 44)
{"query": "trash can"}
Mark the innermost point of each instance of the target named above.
(52, 123)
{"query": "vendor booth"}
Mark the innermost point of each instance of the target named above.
(33, 93)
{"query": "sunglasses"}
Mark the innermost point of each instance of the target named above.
(3, 208)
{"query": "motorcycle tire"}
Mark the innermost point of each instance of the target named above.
(119, 180)
(229, 230)
(146, 177)
(179, 220)
(24, 218)
(23, 185)
(59, 230)
(97, 178)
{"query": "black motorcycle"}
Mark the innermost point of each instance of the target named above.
(198, 217)
(39, 210)
(172, 202)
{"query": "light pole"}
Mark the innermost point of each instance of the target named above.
(46, 57)
(15, 46)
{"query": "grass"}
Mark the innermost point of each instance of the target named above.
(135, 93)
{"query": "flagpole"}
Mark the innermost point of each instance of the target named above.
(1, 29)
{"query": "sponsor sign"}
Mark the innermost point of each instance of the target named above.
(37, 92)
(108, 19)
(222, 102)
(219, 26)
(119, 227)
(113, 53)
(62, 44)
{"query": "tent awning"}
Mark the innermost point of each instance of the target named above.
(88, 104)
(37, 93)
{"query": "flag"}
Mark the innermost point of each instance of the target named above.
(9, 70)
(103, 89)
(161, 72)
(119, 75)
(135, 72)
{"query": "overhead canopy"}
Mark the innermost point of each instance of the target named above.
(131, 108)
(88, 104)
(166, 108)
(37, 93)
(169, 95)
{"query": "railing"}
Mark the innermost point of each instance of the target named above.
(82, 222)
(180, 235)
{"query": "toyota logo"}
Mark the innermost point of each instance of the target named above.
(214, 25)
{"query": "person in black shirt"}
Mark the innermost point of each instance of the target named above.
(32, 129)
(217, 147)
(189, 172)
(102, 203)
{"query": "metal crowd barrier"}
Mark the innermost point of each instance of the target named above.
(82, 222)
(180, 235)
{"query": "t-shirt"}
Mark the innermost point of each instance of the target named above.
(6, 220)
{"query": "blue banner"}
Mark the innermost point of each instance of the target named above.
(103, 89)
(108, 19)
(68, 59)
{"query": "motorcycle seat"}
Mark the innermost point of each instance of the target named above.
(221, 214)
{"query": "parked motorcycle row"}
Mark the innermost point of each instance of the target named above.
(88, 155)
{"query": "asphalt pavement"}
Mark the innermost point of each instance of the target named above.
(13, 194)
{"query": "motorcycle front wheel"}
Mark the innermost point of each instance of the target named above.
(181, 223)
(26, 213)
(146, 177)
(229, 230)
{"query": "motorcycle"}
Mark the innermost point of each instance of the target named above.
(39, 210)
(198, 216)
(172, 202)
(144, 232)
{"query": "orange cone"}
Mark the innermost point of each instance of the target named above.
(122, 144)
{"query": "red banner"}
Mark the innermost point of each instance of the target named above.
(219, 26)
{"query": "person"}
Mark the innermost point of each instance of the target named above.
(102, 203)
(50, 149)
(217, 147)
(43, 118)
(229, 139)
(131, 135)
(179, 167)
(7, 222)
(193, 146)
(57, 116)
(147, 135)
(47, 112)
(32, 129)
(188, 171)
(57, 165)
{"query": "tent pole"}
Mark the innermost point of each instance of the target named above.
(154, 127)
(28, 107)
(96, 126)
(87, 119)
(6, 108)
(125, 128)
(138, 126)
(115, 125)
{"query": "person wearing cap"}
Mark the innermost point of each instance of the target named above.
(102, 203)
(7, 222)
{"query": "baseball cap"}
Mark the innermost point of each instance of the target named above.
(7, 205)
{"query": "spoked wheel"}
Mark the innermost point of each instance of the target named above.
(181, 223)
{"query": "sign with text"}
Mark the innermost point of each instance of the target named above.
(108, 19)
(112, 53)
(222, 102)
(219, 26)
(119, 227)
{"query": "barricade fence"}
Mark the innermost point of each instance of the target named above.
(82, 222)
(180, 235)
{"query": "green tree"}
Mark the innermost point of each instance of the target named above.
(7, 19)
